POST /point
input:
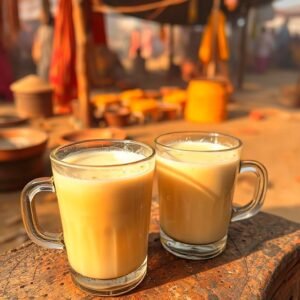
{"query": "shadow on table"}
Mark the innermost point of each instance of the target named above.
(237, 113)
(291, 212)
(255, 237)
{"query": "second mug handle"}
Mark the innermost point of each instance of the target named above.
(253, 207)
(45, 239)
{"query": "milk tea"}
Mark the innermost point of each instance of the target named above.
(195, 191)
(105, 217)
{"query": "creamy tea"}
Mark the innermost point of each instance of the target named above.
(105, 217)
(195, 191)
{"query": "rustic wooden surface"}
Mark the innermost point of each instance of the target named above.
(262, 253)
(262, 260)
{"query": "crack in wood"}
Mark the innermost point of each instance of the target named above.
(9, 275)
(33, 277)
(244, 260)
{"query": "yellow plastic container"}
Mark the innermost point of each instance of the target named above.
(207, 101)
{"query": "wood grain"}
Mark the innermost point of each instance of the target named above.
(262, 261)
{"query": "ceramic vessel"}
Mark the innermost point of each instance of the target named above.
(21, 156)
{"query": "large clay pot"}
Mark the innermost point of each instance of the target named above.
(207, 101)
(33, 97)
(117, 117)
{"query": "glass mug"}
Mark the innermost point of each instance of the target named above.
(104, 191)
(196, 173)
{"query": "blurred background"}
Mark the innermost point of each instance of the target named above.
(272, 32)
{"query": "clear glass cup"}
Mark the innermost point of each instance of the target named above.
(104, 190)
(196, 173)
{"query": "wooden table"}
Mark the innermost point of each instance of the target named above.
(262, 261)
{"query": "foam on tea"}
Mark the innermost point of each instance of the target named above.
(105, 218)
(103, 158)
(195, 188)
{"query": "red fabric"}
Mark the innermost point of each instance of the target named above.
(6, 76)
(62, 70)
(98, 29)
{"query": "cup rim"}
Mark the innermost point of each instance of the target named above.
(207, 133)
(54, 152)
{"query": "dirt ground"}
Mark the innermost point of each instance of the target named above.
(273, 140)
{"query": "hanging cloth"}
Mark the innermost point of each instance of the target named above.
(98, 29)
(220, 51)
(62, 70)
(6, 77)
(96, 25)
(1, 22)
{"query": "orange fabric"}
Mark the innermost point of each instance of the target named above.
(62, 70)
(205, 50)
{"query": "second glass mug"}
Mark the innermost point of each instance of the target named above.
(196, 173)
(104, 192)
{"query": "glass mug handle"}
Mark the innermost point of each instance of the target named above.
(253, 207)
(45, 239)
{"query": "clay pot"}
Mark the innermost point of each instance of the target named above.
(154, 94)
(21, 156)
(117, 118)
(33, 97)
(170, 111)
(8, 120)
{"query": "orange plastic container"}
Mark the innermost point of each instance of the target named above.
(207, 101)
